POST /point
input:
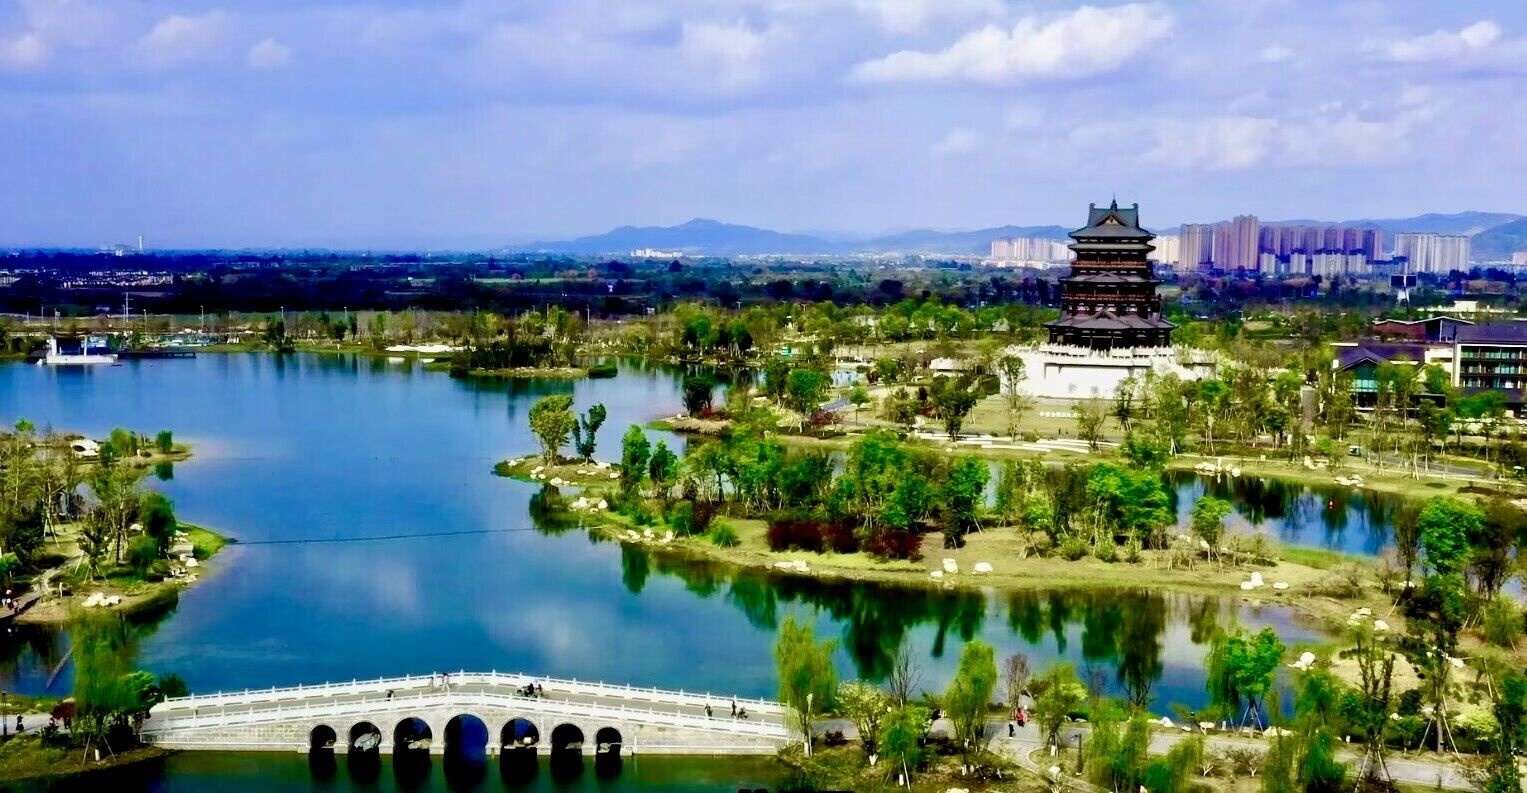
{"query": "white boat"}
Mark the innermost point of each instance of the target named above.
(369, 741)
(92, 352)
(419, 744)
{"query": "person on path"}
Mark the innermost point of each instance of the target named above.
(734, 708)
(1012, 730)
(707, 710)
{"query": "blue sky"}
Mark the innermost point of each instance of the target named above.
(475, 123)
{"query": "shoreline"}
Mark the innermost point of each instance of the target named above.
(1003, 550)
(138, 596)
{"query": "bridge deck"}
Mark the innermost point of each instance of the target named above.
(280, 718)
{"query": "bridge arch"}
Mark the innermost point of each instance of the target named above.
(566, 738)
(607, 741)
(322, 738)
(365, 737)
(412, 735)
(466, 736)
(520, 734)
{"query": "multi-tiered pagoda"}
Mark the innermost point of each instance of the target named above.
(1109, 300)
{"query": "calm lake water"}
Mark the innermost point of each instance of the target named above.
(289, 450)
(227, 772)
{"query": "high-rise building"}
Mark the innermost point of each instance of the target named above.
(1433, 253)
(1196, 246)
(1028, 250)
(1236, 243)
(1168, 250)
(1109, 300)
(1519, 257)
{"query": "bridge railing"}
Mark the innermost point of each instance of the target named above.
(257, 713)
(384, 684)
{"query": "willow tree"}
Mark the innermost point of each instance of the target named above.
(808, 681)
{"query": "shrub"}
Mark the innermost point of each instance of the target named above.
(892, 544)
(1133, 551)
(1106, 551)
(723, 535)
(1501, 622)
(691, 518)
(142, 551)
(1072, 548)
(795, 531)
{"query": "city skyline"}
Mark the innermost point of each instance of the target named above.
(475, 124)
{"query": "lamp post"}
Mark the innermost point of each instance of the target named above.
(806, 723)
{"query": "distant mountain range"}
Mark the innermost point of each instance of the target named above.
(714, 238)
(1496, 235)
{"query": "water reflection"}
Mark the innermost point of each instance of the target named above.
(1336, 518)
(341, 447)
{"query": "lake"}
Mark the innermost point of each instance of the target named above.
(309, 459)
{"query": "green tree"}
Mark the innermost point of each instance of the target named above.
(1209, 522)
(1090, 415)
(859, 398)
(808, 681)
(1011, 369)
(1057, 693)
(901, 739)
(969, 695)
(1509, 705)
(697, 390)
(952, 399)
(1240, 673)
(867, 706)
(1445, 525)
(165, 441)
(551, 419)
(804, 390)
(962, 493)
(635, 451)
(663, 468)
(586, 428)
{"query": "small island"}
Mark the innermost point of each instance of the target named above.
(82, 532)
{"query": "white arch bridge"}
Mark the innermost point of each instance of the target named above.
(439, 712)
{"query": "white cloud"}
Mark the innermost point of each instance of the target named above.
(177, 39)
(957, 141)
(910, 16)
(730, 53)
(269, 54)
(27, 51)
(1276, 53)
(1214, 144)
(1444, 45)
(1085, 42)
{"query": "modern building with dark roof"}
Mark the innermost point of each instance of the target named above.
(1492, 357)
(1109, 300)
(1438, 328)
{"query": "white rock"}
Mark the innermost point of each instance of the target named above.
(1247, 586)
(1280, 585)
(1166, 722)
(951, 566)
(1206, 725)
(1256, 579)
(785, 565)
(191, 562)
(1380, 625)
(614, 475)
(936, 575)
(800, 566)
(982, 567)
(602, 505)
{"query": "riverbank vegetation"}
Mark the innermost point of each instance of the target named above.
(1348, 711)
(75, 516)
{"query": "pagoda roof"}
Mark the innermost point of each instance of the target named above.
(1107, 320)
(1108, 278)
(1113, 223)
